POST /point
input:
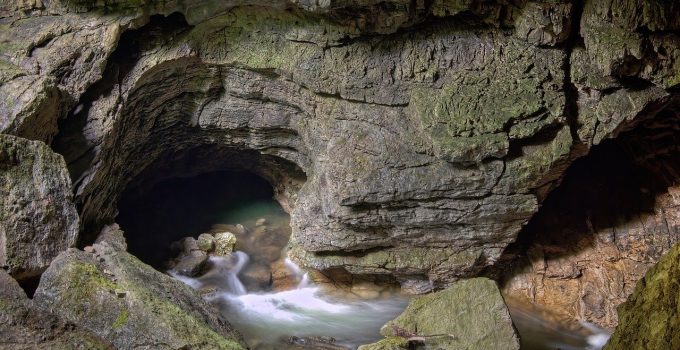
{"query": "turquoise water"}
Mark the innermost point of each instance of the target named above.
(250, 211)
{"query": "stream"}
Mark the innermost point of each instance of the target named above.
(305, 315)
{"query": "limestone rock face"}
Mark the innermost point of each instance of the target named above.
(470, 314)
(38, 219)
(23, 326)
(401, 145)
(115, 296)
(650, 318)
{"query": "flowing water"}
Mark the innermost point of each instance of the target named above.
(268, 319)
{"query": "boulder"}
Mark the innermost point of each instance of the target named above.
(191, 264)
(650, 318)
(470, 315)
(115, 296)
(38, 219)
(224, 243)
(206, 242)
(23, 326)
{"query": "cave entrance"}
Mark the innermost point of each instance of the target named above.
(211, 193)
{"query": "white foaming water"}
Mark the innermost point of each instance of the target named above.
(538, 333)
(270, 318)
(598, 339)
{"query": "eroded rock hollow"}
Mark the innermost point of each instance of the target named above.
(411, 141)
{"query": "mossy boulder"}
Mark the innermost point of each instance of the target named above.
(650, 318)
(114, 295)
(471, 314)
(24, 326)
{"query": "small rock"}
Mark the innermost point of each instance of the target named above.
(224, 243)
(89, 249)
(192, 264)
(319, 343)
(240, 230)
(282, 277)
(206, 242)
(256, 276)
(470, 314)
(189, 244)
(260, 222)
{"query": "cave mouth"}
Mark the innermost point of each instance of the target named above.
(172, 209)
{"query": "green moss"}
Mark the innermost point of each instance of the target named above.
(389, 343)
(650, 318)
(468, 119)
(122, 319)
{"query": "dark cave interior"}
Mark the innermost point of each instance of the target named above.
(153, 218)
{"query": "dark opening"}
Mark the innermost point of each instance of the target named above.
(29, 284)
(153, 218)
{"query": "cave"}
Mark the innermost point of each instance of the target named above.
(153, 218)
(293, 174)
(207, 189)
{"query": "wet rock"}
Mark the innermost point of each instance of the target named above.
(24, 326)
(282, 277)
(191, 264)
(38, 219)
(267, 254)
(256, 276)
(471, 314)
(155, 308)
(260, 222)
(206, 242)
(224, 243)
(650, 318)
(319, 343)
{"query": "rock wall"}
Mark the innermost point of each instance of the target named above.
(406, 138)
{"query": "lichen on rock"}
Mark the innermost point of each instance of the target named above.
(650, 318)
